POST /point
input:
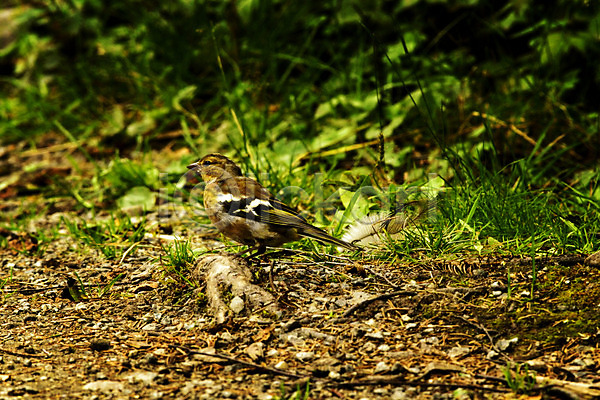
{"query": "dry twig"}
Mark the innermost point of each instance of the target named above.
(241, 362)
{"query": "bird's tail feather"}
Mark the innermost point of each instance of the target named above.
(324, 238)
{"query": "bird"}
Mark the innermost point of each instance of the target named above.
(243, 210)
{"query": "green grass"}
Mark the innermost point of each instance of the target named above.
(178, 260)
(177, 264)
(301, 393)
(78, 290)
(519, 379)
(113, 236)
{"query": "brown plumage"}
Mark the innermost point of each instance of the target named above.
(243, 210)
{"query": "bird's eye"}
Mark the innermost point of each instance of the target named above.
(206, 162)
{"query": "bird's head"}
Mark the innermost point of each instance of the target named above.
(215, 166)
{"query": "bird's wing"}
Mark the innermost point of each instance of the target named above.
(281, 214)
(250, 200)
(256, 203)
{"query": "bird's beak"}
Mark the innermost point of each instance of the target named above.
(193, 166)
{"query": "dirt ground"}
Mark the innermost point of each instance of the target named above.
(347, 330)
(344, 329)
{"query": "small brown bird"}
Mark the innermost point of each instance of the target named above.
(243, 210)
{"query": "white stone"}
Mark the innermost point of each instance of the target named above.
(381, 367)
(104, 386)
(334, 375)
(305, 355)
(458, 351)
(504, 344)
(281, 365)
(256, 350)
(272, 353)
(145, 377)
(237, 304)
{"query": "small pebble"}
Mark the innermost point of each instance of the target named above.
(491, 355)
(537, 365)
(375, 335)
(291, 325)
(104, 386)
(256, 351)
(432, 340)
(152, 326)
(381, 367)
(334, 375)
(398, 394)
(226, 337)
(237, 304)
(305, 356)
(281, 365)
(458, 351)
(272, 353)
(504, 344)
(144, 377)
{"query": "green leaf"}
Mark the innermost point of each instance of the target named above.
(356, 202)
(139, 196)
(433, 187)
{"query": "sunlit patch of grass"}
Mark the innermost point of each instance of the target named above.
(178, 260)
(519, 379)
(9, 277)
(177, 264)
(302, 392)
(112, 236)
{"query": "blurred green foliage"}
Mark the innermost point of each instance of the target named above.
(461, 88)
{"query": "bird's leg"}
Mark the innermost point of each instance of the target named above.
(241, 253)
(260, 249)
